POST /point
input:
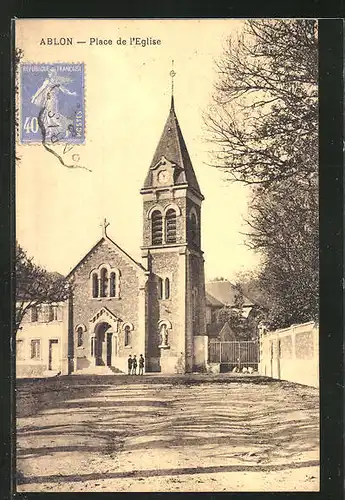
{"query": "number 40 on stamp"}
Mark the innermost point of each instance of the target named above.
(52, 103)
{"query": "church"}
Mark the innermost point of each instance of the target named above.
(156, 307)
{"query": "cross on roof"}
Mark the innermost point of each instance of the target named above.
(104, 226)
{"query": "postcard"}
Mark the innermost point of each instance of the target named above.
(167, 255)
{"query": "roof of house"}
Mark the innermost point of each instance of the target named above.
(173, 147)
(223, 292)
(212, 301)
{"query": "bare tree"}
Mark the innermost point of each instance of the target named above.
(35, 286)
(263, 122)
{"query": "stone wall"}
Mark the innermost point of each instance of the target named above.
(291, 354)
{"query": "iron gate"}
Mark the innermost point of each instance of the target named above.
(234, 353)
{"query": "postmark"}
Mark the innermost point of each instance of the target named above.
(52, 103)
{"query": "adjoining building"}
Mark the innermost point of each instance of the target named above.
(42, 341)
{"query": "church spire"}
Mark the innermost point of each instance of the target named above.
(172, 148)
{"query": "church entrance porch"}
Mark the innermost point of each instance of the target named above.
(105, 345)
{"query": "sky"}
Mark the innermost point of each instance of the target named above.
(127, 99)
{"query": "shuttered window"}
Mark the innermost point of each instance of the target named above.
(170, 221)
(157, 228)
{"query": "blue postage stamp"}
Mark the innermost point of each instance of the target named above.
(52, 103)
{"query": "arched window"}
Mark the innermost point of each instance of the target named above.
(167, 288)
(80, 336)
(95, 287)
(193, 228)
(127, 335)
(170, 225)
(112, 284)
(157, 228)
(160, 288)
(104, 282)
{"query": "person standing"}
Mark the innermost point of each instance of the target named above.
(130, 363)
(134, 365)
(141, 365)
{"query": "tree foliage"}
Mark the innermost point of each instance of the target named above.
(35, 285)
(264, 127)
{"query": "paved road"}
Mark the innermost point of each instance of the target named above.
(122, 434)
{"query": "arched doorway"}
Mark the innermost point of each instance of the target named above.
(105, 345)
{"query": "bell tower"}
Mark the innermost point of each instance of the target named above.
(171, 251)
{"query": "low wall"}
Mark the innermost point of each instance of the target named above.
(291, 354)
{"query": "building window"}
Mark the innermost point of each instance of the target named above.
(45, 313)
(170, 225)
(92, 346)
(127, 328)
(80, 337)
(157, 228)
(112, 284)
(127, 336)
(34, 314)
(55, 313)
(164, 290)
(95, 287)
(20, 349)
(160, 288)
(104, 282)
(35, 349)
(167, 288)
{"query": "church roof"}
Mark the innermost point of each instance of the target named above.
(173, 147)
(124, 254)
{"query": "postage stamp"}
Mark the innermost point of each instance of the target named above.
(52, 103)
